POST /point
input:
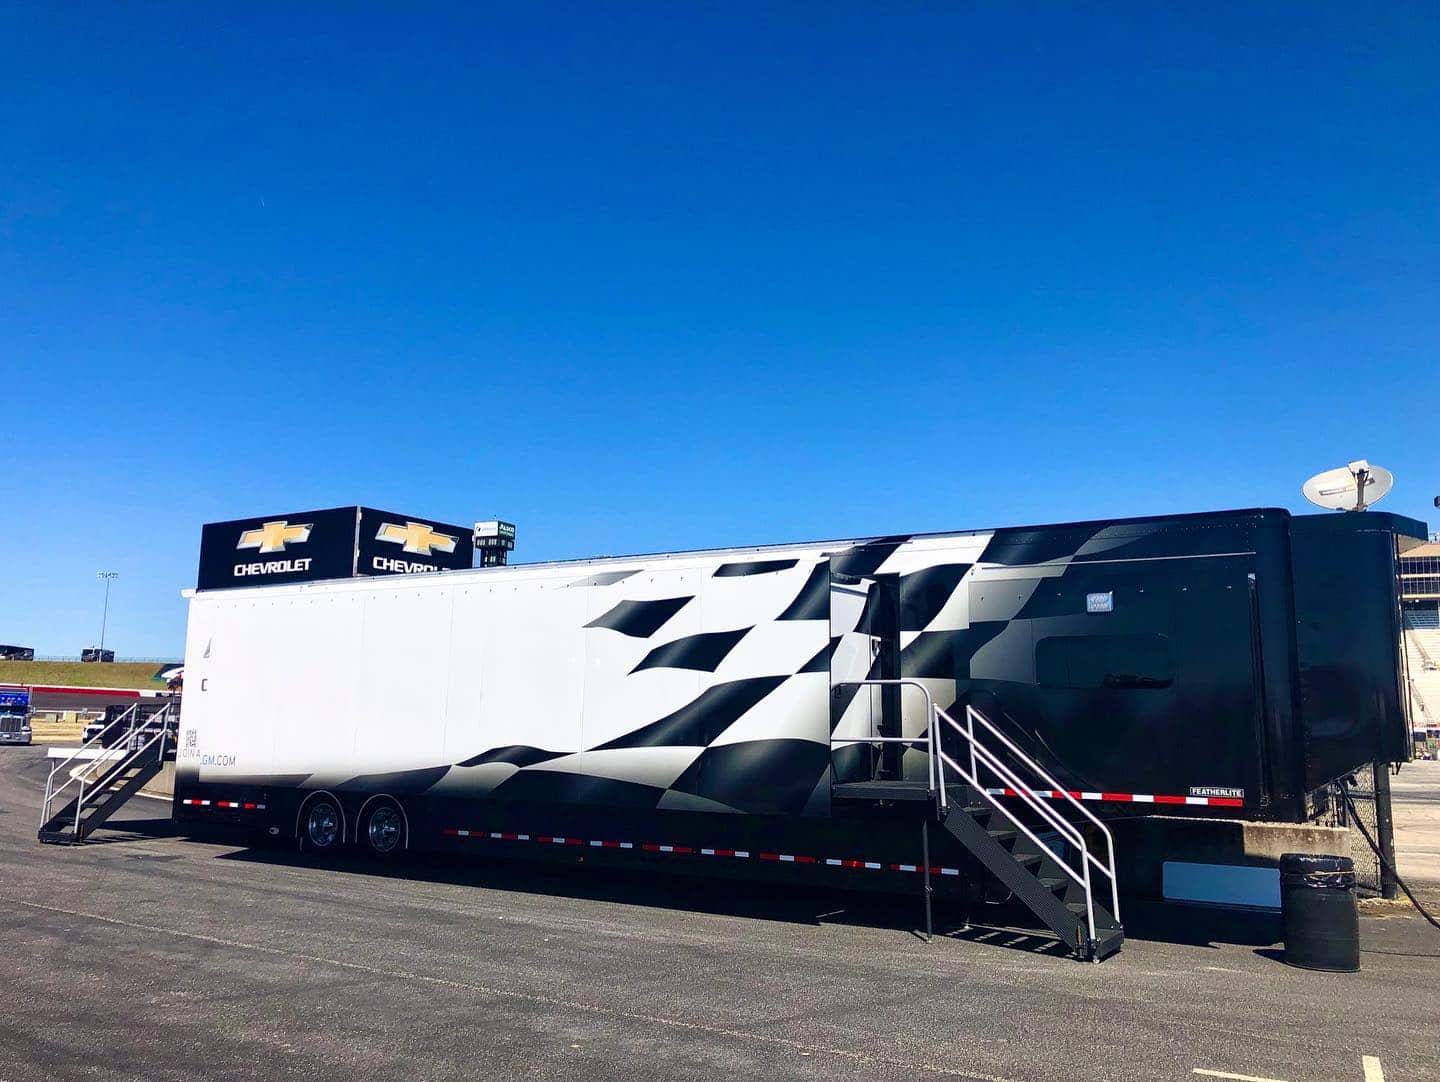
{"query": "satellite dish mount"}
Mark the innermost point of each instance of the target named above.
(1350, 488)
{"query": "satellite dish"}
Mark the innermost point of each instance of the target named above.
(1350, 488)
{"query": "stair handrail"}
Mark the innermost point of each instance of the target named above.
(135, 754)
(989, 759)
(929, 738)
(1108, 868)
(938, 759)
(121, 751)
(1046, 812)
(51, 792)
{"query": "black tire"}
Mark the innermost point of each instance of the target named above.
(383, 830)
(322, 826)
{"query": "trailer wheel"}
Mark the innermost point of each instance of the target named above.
(383, 829)
(322, 826)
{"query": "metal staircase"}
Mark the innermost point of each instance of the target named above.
(105, 772)
(1044, 858)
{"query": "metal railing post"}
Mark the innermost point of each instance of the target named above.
(937, 753)
(970, 734)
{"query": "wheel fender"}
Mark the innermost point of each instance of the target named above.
(299, 815)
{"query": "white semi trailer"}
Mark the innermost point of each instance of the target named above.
(945, 709)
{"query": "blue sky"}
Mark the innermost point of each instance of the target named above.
(652, 276)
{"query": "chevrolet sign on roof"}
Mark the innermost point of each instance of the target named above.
(335, 543)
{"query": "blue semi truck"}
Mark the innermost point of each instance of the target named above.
(15, 716)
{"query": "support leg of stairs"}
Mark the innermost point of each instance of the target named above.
(925, 855)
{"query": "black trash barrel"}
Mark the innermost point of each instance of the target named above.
(1317, 907)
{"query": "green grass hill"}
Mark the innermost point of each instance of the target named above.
(123, 674)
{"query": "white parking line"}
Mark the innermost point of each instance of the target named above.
(1373, 1072)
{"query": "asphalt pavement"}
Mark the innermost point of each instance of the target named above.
(1415, 800)
(148, 955)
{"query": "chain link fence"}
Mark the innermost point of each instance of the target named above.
(1366, 810)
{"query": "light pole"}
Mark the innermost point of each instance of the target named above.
(109, 577)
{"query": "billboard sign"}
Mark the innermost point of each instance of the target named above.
(390, 544)
(298, 547)
(334, 543)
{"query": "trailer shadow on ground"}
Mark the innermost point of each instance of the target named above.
(1008, 926)
(129, 830)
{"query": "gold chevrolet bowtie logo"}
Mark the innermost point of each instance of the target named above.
(416, 537)
(274, 536)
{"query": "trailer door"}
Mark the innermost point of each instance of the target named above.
(1127, 677)
(865, 645)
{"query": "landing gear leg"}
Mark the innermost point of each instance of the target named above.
(925, 855)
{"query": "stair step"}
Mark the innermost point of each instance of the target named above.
(1038, 881)
(1103, 921)
(1107, 942)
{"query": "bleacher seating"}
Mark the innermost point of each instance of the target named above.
(1422, 648)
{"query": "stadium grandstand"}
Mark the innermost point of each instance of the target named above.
(1420, 607)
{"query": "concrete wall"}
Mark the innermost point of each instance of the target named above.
(1207, 847)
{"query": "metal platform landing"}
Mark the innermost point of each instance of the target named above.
(881, 790)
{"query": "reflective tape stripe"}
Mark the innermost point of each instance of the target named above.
(232, 805)
(1129, 798)
(684, 850)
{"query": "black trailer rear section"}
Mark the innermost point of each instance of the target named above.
(1226, 664)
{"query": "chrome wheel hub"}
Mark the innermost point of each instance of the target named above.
(384, 829)
(322, 825)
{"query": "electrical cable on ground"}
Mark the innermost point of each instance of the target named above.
(1365, 833)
